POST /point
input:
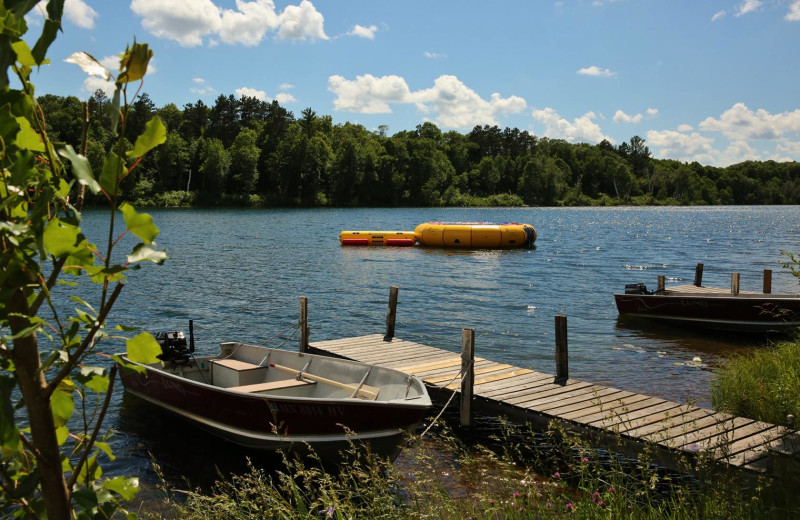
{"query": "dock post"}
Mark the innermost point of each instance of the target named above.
(734, 283)
(391, 313)
(562, 365)
(698, 275)
(467, 375)
(661, 285)
(767, 281)
(303, 324)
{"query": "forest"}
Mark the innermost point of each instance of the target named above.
(251, 153)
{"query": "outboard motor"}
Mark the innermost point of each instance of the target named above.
(174, 348)
(636, 288)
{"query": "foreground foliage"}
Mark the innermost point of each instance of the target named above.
(446, 479)
(57, 288)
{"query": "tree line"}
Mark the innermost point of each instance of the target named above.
(249, 152)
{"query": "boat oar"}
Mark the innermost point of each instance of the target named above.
(361, 391)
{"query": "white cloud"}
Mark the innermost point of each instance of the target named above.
(77, 12)
(794, 12)
(741, 123)
(622, 117)
(302, 22)
(455, 104)
(736, 152)
(434, 55)
(285, 97)
(747, 6)
(582, 129)
(250, 92)
(718, 15)
(199, 80)
(594, 70)
(286, 86)
(683, 147)
(685, 128)
(203, 91)
(248, 23)
(791, 147)
(368, 94)
(364, 32)
(459, 106)
(93, 83)
(190, 22)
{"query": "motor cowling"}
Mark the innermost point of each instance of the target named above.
(636, 288)
(174, 347)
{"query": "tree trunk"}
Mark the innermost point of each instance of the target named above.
(33, 384)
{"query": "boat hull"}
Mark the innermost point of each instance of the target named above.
(272, 422)
(745, 313)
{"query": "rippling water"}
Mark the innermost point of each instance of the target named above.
(238, 274)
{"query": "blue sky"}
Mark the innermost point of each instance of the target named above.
(712, 80)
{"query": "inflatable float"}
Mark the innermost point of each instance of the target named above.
(488, 235)
(377, 238)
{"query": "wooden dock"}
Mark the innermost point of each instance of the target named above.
(680, 433)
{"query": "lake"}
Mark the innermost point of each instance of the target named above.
(239, 273)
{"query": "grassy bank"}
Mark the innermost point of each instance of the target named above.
(522, 476)
(763, 384)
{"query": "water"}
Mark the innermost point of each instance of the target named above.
(238, 274)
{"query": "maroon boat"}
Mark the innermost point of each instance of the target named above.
(712, 308)
(268, 399)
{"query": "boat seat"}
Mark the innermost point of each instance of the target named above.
(274, 385)
(235, 364)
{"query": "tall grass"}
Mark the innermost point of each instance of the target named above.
(763, 384)
(549, 477)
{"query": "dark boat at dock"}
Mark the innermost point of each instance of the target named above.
(712, 308)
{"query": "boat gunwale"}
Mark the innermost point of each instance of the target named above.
(419, 401)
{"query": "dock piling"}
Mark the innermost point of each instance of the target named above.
(767, 281)
(303, 324)
(562, 365)
(661, 285)
(391, 313)
(467, 375)
(734, 283)
(698, 274)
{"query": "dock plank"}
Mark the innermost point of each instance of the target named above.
(684, 428)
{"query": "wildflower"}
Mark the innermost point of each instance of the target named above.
(569, 507)
(596, 497)
(517, 494)
(612, 489)
(328, 512)
(549, 504)
(601, 503)
(585, 460)
(557, 474)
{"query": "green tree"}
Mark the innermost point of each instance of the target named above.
(215, 168)
(172, 161)
(244, 163)
(49, 465)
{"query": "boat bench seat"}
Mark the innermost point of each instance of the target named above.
(235, 364)
(274, 385)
